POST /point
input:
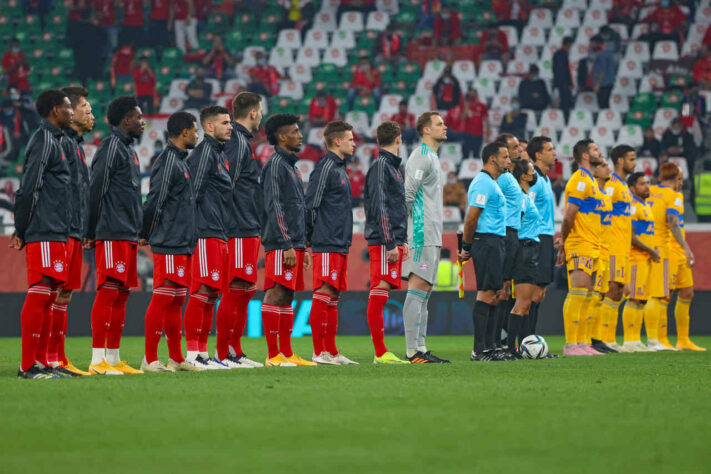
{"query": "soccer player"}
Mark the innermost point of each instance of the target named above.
(283, 238)
(329, 229)
(624, 159)
(425, 208)
(213, 190)
(243, 229)
(115, 219)
(666, 208)
(542, 152)
(681, 260)
(42, 222)
(83, 122)
(578, 245)
(484, 242)
(169, 226)
(644, 251)
(385, 231)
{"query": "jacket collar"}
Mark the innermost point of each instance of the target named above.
(290, 157)
(56, 133)
(238, 127)
(74, 135)
(390, 158)
(214, 143)
(540, 173)
(122, 136)
(180, 153)
(335, 158)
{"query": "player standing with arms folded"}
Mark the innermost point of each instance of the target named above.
(115, 219)
(243, 229)
(425, 208)
(329, 229)
(386, 232)
(484, 242)
(283, 238)
(42, 222)
(169, 220)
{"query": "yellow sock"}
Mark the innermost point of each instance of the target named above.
(629, 321)
(610, 314)
(596, 316)
(663, 321)
(681, 314)
(651, 318)
(571, 313)
(585, 319)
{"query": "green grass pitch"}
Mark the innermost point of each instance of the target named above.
(617, 413)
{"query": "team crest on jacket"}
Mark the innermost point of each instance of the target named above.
(334, 275)
(120, 267)
(249, 269)
(288, 275)
(215, 275)
(58, 266)
(180, 272)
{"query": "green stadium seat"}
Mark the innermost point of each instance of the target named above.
(365, 104)
(65, 57)
(218, 23)
(99, 91)
(326, 73)
(408, 72)
(265, 39)
(172, 56)
(679, 80)
(646, 101)
(282, 105)
(125, 87)
(235, 40)
(641, 117)
(245, 22)
(672, 99)
(57, 22)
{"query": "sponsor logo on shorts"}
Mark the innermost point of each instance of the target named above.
(215, 275)
(58, 266)
(180, 272)
(249, 269)
(120, 267)
(288, 275)
(393, 274)
(334, 275)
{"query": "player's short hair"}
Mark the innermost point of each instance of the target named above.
(634, 177)
(211, 111)
(504, 138)
(583, 146)
(75, 93)
(387, 133)
(119, 108)
(535, 145)
(491, 149)
(619, 152)
(520, 168)
(244, 103)
(48, 100)
(180, 121)
(424, 120)
(275, 123)
(335, 129)
(668, 171)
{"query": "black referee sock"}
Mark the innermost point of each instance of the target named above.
(525, 326)
(533, 316)
(490, 333)
(480, 317)
(515, 325)
(501, 315)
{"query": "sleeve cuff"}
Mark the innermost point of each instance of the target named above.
(390, 245)
(577, 201)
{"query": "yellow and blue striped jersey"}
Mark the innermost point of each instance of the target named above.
(621, 234)
(664, 201)
(642, 227)
(605, 211)
(582, 190)
(677, 251)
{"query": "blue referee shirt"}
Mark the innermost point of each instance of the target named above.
(531, 220)
(486, 194)
(544, 199)
(513, 194)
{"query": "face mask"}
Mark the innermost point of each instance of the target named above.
(515, 106)
(15, 49)
(451, 181)
(158, 149)
(665, 4)
(262, 61)
(445, 16)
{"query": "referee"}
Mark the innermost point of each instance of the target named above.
(483, 241)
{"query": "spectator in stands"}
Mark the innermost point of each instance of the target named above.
(357, 179)
(495, 45)
(157, 150)
(322, 109)
(389, 47)
(447, 28)
(666, 23)
(446, 91)
(514, 122)
(144, 79)
(19, 123)
(693, 107)
(677, 141)
(199, 91)
(90, 44)
(533, 92)
(203, 8)
(650, 146)
(366, 81)
(469, 124)
(513, 13)
(105, 11)
(363, 6)
(624, 11)
(38, 7)
(16, 67)
(132, 30)
(297, 14)
(603, 71)
(702, 68)
(158, 24)
(219, 61)
(562, 78)
(406, 120)
(121, 68)
(426, 13)
(611, 38)
(264, 77)
(454, 193)
(183, 21)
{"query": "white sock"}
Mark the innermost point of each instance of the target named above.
(41, 366)
(53, 363)
(411, 352)
(204, 355)
(191, 356)
(422, 349)
(233, 352)
(112, 356)
(97, 355)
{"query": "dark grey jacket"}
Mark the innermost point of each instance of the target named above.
(384, 196)
(76, 159)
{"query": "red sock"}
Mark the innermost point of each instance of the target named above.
(270, 321)
(118, 318)
(56, 333)
(193, 319)
(317, 318)
(208, 315)
(376, 302)
(31, 321)
(286, 324)
(244, 296)
(61, 354)
(331, 326)
(225, 322)
(155, 320)
(173, 325)
(43, 342)
(101, 314)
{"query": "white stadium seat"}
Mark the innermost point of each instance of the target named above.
(452, 215)
(509, 85)
(609, 118)
(451, 151)
(502, 102)
(595, 17)
(690, 48)
(662, 119)
(625, 85)
(651, 82)
(703, 15)
(586, 101)
(578, 52)
(359, 215)
(433, 69)
(511, 35)
(289, 38)
(305, 168)
(343, 39)
(417, 104)
(445, 166)
(388, 6)
(576, 4)
(666, 50)
(308, 56)
(546, 131)
(337, 56)
(680, 161)
(249, 57)
(351, 21)
(621, 30)
(619, 103)
(378, 118)
(233, 86)
(424, 86)
(390, 103)
(568, 18)
(281, 58)
(291, 89)
(533, 35)
(631, 135)
(177, 88)
(216, 87)
(583, 119)
(464, 70)
(556, 35)
(571, 135)
(517, 68)
(170, 105)
(469, 168)
(639, 29)
(316, 38)
(584, 34)
(541, 17)
(603, 136)
(638, 51)
(485, 86)
(531, 121)
(301, 73)
(646, 165)
(377, 21)
(526, 53)
(360, 122)
(491, 69)
(315, 136)
(553, 118)
(325, 21)
(89, 151)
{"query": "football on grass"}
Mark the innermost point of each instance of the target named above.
(534, 347)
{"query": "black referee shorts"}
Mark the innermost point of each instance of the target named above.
(488, 257)
(546, 260)
(511, 252)
(526, 268)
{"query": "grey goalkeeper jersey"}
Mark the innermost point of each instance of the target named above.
(423, 196)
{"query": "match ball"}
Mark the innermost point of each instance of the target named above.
(534, 347)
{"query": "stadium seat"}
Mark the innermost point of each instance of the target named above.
(248, 57)
(619, 103)
(351, 21)
(292, 89)
(360, 122)
(541, 18)
(578, 51)
(391, 7)
(662, 119)
(690, 48)
(337, 56)
(609, 118)
(631, 68)
(417, 104)
(703, 15)
(595, 17)
(343, 39)
(553, 118)
(575, 4)
(315, 137)
(452, 215)
(390, 103)
(464, 70)
(359, 216)
(672, 99)
(378, 118)
(485, 87)
(568, 18)
(491, 69)
(545, 131)
(531, 120)
(586, 101)
(583, 119)
(495, 118)
(681, 162)
(308, 57)
(509, 85)
(696, 34)
(651, 82)
(316, 38)
(621, 30)
(451, 151)
(326, 21)
(637, 51)
(533, 35)
(216, 87)
(666, 50)
(639, 29)
(631, 135)
(305, 168)
(301, 73)
(289, 38)
(555, 37)
(511, 35)
(470, 168)
(571, 135)
(646, 165)
(330, 6)
(527, 54)
(517, 68)
(377, 21)
(625, 86)
(603, 136)
(433, 69)
(281, 58)
(502, 102)
(364, 153)
(585, 32)
(177, 88)
(424, 87)
(445, 166)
